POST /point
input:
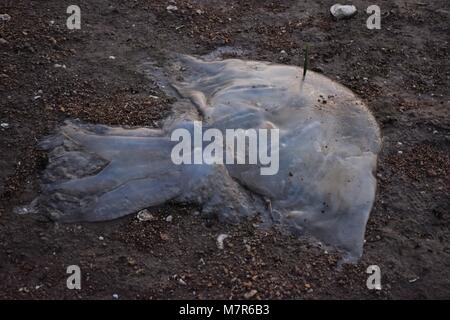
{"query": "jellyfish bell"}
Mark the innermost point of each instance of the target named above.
(327, 153)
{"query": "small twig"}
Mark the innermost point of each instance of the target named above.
(305, 61)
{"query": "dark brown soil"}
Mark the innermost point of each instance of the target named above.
(402, 71)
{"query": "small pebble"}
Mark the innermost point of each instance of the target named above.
(340, 11)
(250, 294)
(413, 280)
(171, 8)
(5, 17)
(220, 240)
(145, 215)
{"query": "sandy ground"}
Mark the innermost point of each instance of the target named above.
(401, 71)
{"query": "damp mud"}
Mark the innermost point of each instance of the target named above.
(327, 150)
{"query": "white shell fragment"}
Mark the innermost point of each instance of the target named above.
(220, 240)
(340, 11)
(171, 8)
(145, 215)
(5, 17)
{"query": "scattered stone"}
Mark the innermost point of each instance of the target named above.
(30, 209)
(171, 8)
(400, 152)
(250, 294)
(145, 215)
(56, 65)
(220, 240)
(101, 238)
(198, 11)
(4, 125)
(340, 11)
(169, 218)
(131, 261)
(413, 280)
(115, 296)
(112, 57)
(5, 17)
(164, 236)
(182, 282)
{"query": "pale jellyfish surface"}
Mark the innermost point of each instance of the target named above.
(328, 144)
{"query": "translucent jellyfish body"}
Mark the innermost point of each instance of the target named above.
(328, 145)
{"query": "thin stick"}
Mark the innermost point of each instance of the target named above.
(305, 61)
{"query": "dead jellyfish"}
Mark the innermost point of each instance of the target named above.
(326, 149)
